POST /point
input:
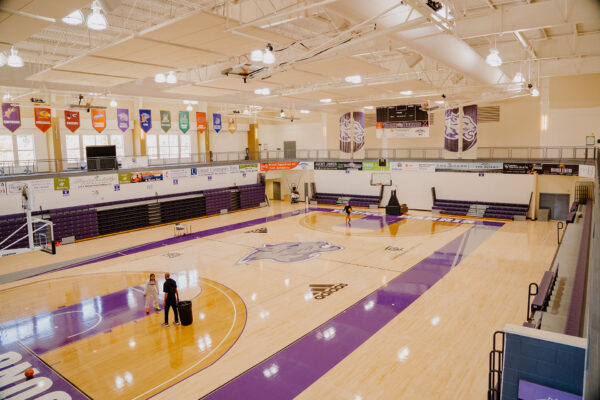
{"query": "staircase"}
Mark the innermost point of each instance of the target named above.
(477, 210)
(154, 213)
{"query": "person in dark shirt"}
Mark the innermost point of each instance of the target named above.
(171, 299)
(348, 210)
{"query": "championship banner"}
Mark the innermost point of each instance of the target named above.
(72, 120)
(98, 119)
(469, 133)
(123, 119)
(451, 130)
(201, 122)
(217, 122)
(146, 120)
(43, 118)
(11, 116)
(184, 121)
(346, 133)
(232, 125)
(165, 120)
(286, 166)
(338, 165)
(359, 130)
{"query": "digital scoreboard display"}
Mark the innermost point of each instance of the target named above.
(404, 113)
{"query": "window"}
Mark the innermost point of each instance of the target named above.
(94, 140)
(151, 147)
(117, 140)
(168, 146)
(25, 149)
(73, 151)
(185, 143)
(7, 155)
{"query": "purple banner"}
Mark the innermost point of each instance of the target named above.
(469, 133)
(11, 116)
(346, 133)
(451, 129)
(123, 118)
(359, 130)
(146, 120)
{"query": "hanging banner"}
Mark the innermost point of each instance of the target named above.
(43, 118)
(72, 120)
(165, 120)
(451, 130)
(184, 121)
(469, 133)
(98, 119)
(358, 130)
(201, 122)
(123, 119)
(11, 116)
(346, 133)
(146, 120)
(217, 123)
(232, 125)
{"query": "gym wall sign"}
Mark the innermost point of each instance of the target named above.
(320, 291)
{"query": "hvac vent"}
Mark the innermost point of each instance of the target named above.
(488, 114)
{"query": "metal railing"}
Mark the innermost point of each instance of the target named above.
(533, 154)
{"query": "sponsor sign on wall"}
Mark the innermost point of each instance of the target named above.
(413, 129)
(72, 120)
(560, 169)
(11, 116)
(521, 168)
(338, 165)
(246, 168)
(35, 185)
(178, 173)
(61, 184)
(286, 165)
(587, 171)
(418, 166)
(133, 162)
(147, 176)
(473, 166)
(220, 170)
(124, 178)
(90, 181)
(374, 166)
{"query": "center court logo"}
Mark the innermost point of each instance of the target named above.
(290, 252)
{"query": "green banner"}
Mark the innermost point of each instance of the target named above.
(61, 184)
(124, 177)
(184, 121)
(374, 166)
(165, 120)
(248, 167)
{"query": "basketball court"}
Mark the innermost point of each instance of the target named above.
(287, 302)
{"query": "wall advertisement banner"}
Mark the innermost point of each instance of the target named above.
(418, 166)
(2, 188)
(61, 184)
(560, 169)
(90, 181)
(35, 185)
(221, 170)
(409, 129)
(475, 166)
(124, 178)
(133, 162)
(147, 176)
(286, 165)
(11, 116)
(246, 168)
(521, 168)
(587, 171)
(338, 165)
(178, 173)
(374, 166)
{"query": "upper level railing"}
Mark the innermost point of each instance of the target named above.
(527, 154)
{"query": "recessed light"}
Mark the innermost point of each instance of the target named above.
(325, 100)
(354, 79)
(369, 107)
(304, 111)
(406, 92)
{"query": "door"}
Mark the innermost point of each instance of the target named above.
(276, 190)
(289, 149)
(558, 204)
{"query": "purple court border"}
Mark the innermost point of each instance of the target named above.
(290, 371)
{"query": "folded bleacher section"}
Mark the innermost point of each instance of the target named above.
(356, 200)
(93, 220)
(484, 209)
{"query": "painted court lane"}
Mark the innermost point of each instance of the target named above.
(290, 371)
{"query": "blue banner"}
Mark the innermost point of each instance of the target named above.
(146, 120)
(217, 122)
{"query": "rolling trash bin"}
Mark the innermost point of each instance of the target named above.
(184, 308)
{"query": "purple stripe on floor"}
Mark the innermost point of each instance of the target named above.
(289, 372)
(46, 383)
(49, 331)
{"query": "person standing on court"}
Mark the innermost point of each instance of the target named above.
(171, 299)
(151, 294)
(348, 210)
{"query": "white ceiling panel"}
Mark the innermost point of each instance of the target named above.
(235, 83)
(77, 78)
(99, 65)
(201, 91)
(397, 87)
(342, 67)
(315, 96)
(356, 91)
(293, 77)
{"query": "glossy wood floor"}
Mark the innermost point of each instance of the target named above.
(447, 330)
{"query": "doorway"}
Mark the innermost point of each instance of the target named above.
(558, 204)
(289, 149)
(276, 190)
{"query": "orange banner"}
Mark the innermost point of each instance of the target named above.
(98, 119)
(43, 118)
(278, 166)
(201, 121)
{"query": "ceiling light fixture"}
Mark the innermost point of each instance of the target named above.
(14, 59)
(7, 97)
(325, 100)
(493, 59)
(369, 107)
(406, 92)
(263, 91)
(519, 78)
(2, 59)
(535, 92)
(113, 103)
(440, 101)
(171, 78)
(160, 78)
(256, 55)
(282, 114)
(75, 18)
(96, 20)
(304, 111)
(354, 79)
(269, 58)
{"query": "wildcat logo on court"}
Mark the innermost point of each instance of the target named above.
(290, 252)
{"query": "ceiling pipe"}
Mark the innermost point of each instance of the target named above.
(428, 41)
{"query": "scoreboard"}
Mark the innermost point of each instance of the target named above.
(403, 113)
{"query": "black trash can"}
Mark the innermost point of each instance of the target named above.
(185, 312)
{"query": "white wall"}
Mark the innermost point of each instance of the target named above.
(307, 135)
(570, 126)
(225, 141)
(414, 188)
